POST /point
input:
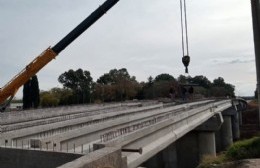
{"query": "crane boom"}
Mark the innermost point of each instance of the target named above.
(49, 54)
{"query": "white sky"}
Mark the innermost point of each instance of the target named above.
(143, 36)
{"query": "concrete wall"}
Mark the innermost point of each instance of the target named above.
(18, 158)
(108, 157)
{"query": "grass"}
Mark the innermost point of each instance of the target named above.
(209, 161)
(244, 149)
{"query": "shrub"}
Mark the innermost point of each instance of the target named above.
(244, 149)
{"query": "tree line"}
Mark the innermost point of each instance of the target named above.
(119, 85)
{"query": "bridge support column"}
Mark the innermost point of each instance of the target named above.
(170, 156)
(206, 135)
(164, 159)
(226, 133)
(207, 145)
(187, 150)
(229, 130)
(192, 147)
(235, 127)
(154, 162)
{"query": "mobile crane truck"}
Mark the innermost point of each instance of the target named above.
(8, 91)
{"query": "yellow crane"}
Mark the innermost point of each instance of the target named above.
(8, 91)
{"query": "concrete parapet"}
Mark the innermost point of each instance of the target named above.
(109, 157)
(21, 158)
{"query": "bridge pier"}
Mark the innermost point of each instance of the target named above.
(226, 132)
(199, 143)
(187, 150)
(229, 130)
(170, 156)
(207, 144)
(164, 159)
(193, 147)
(206, 136)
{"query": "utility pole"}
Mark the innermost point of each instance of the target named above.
(255, 5)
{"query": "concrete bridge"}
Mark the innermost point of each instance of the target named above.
(119, 135)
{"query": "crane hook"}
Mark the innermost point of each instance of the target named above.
(186, 62)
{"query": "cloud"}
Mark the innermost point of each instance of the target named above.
(239, 61)
(232, 61)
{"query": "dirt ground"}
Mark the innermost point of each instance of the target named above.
(247, 163)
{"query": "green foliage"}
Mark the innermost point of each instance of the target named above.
(219, 82)
(49, 100)
(164, 77)
(201, 81)
(220, 88)
(182, 79)
(117, 85)
(80, 82)
(56, 96)
(244, 149)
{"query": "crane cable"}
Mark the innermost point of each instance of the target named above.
(185, 58)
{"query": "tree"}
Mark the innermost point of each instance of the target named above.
(31, 93)
(226, 88)
(164, 77)
(150, 81)
(219, 82)
(182, 79)
(201, 81)
(56, 96)
(27, 95)
(80, 82)
(116, 85)
(49, 100)
(115, 76)
(35, 92)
